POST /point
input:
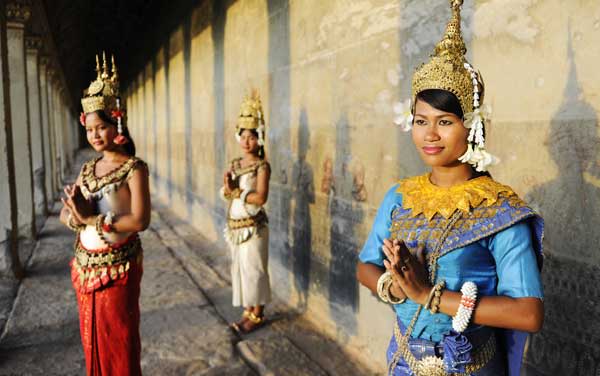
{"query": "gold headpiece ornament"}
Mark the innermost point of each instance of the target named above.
(449, 70)
(251, 117)
(103, 91)
(103, 95)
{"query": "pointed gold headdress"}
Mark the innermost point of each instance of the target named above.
(103, 91)
(251, 117)
(103, 95)
(448, 69)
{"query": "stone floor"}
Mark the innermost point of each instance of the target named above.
(185, 308)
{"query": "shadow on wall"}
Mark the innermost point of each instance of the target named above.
(218, 39)
(278, 150)
(345, 214)
(569, 344)
(303, 192)
(189, 168)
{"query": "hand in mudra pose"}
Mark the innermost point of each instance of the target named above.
(81, 210)
(229, 183)
(409, 273)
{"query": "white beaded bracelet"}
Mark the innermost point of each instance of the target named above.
(461, 320)
(109, 219)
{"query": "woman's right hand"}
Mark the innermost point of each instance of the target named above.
(229, 183)
(226, 181)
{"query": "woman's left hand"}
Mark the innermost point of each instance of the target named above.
(410, 271)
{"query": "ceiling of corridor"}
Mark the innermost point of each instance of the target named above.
(82, 28)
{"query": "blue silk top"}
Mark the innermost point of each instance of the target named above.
(496, 244)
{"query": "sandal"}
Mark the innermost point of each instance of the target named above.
(238, 325)
(257, 322)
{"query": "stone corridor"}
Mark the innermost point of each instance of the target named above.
(185, 307)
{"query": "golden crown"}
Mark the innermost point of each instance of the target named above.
(251, 113)
(448, 69)
(103, 92)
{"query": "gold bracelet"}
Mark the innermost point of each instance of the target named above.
(72, 226)
(391, 296)
(438, 287)
(99, 222)
(381, 282)
(437, 298)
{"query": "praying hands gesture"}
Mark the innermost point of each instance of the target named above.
(409, 274)
(78, 207)
(228, 182)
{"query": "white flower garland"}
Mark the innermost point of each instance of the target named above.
(476, 155)
(461, 320)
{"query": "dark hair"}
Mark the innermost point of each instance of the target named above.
(446, 101)
(442, 100)
(129, 147)
(261, 149)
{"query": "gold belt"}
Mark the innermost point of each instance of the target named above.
(434, 366)
(256, 220)
(113, 257)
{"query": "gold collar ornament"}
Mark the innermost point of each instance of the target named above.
(103, 95)
(251, 117)
(449, 70)
(420, 196)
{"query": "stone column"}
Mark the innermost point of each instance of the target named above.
(51, 130)
(33, 45)
(59, 143)
(18, 13)
(9, 244)
(45, 121)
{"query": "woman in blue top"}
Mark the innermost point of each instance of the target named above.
(457, 253)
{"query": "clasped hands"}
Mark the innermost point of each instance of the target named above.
(229, 183)
(79, 208)
(409, 274)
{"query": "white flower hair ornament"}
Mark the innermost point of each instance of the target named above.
(476, 155)
(403, 116)
(261, 135)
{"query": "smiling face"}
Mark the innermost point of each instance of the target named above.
(99, 133)
(249, 141)
(440, 137)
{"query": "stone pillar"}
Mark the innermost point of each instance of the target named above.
(33, 45)
(51, 130)
(18, 13)
(45, 122)
(59, 143)
(9, 244)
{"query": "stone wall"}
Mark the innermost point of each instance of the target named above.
(329, 73)
(38, 131)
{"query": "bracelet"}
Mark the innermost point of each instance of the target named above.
(107, 223)
(245, 194)
(436, 288)
(434, 305)
(460, 321)
(99, 229)
(391, 298)
(380, 282)
(72, 226)
(384, 284)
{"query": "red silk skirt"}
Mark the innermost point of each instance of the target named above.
(109, 322)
